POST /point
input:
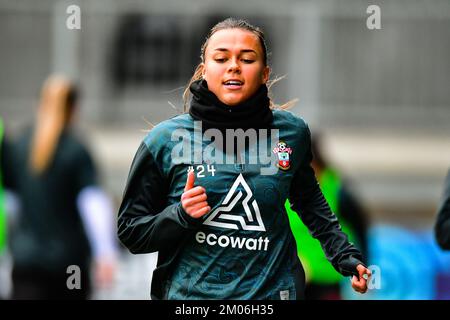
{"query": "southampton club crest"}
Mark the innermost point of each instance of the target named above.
(283, 152)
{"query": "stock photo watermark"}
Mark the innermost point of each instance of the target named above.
(264, 148)
(374, 282)
(73, 21)
(373, 22)
(74, 278)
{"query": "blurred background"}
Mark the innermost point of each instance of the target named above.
(379, 98)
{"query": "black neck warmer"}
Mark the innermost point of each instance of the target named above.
(206, 107)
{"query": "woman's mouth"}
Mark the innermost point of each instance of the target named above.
(233, 84)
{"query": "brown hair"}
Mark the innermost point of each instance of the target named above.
(58, 99)
(232, 23)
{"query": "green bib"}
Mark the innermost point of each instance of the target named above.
(317, 268)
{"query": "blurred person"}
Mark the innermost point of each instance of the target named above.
(322, 280)
(3, 220)
(442, 226)
(65, 217)
(3, 217)
(203, 254)
(8, 209)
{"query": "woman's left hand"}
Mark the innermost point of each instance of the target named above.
(360, 285)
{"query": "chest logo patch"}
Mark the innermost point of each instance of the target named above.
(221, 216)
(283, 151)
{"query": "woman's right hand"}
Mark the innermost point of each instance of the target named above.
(193, 199)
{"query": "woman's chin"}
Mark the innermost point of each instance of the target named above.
(232, 100)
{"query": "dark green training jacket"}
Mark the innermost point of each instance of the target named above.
(243, 248)
(442, 226)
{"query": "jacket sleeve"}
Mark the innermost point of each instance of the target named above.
(355, 214)
(442, 226)
(307, 200)
(145, 223)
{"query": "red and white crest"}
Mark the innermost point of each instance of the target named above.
(283, 152)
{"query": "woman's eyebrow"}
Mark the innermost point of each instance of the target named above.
(242, 51)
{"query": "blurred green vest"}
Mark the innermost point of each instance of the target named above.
(317, 268)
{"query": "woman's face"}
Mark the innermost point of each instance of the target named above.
(234, 65)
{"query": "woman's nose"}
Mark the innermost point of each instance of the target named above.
(234, 66)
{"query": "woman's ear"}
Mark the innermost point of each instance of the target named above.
(265, 75)
(201, 67)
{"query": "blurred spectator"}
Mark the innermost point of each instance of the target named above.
(2, 208)
(442, 227)
(8, 206)
(65, 217)
(2, 199)
(323, 281)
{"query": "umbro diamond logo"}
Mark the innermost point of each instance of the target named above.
(221, 216)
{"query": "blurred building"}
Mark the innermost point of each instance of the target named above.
(381, 98)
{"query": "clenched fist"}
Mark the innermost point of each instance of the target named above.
(193, 199)
(359, 283)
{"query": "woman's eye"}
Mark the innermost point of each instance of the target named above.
(220, 60)
(248, 60)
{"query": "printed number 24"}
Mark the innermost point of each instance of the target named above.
(201, 169)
